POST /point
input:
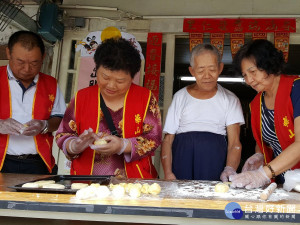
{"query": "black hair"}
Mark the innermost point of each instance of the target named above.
(264, 54)
(118, 54)
(27, 39)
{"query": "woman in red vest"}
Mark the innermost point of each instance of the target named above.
(131, 126)
(275, 115)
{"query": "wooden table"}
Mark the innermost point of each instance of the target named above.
(15, 207)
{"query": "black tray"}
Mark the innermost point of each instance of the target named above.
(66, 180)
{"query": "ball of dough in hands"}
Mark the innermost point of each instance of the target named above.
(154, 189)
(100, 142)
(222, 188)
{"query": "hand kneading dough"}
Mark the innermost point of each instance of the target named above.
(41, 183)
(54, 186)
(30, 185)
(100, 142)
(135, 192)
(78, 185)
(154, 189)
(221, 188)
(118, 191)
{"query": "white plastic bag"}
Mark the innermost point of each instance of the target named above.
(292, 180)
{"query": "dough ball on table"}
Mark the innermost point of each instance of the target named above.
(154, 189)
(138, 185)
(30, 185)
(135, 192)
(102, 192)
(222, 188)
(41, 183)
(95, 185)
(128, 187)
(100, 142)
(78, 185)
(145, 188)
(86, 193)
(54, 186)
(118, 191)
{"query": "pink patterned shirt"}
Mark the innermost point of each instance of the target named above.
(142, 145)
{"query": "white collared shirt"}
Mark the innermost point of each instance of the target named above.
(22, 111)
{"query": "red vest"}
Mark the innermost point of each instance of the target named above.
(44, 96)
(87, 114)
(283, 118)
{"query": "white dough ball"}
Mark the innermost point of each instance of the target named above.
(54, 186)
(102, 192)
(95, 185)
(135, 192)
(118, 191)
(30, 185)
(78, 185)
(100, 142)
(41, 183)
(222, 188)
(86, 193)
(145, 188)
(154, 189)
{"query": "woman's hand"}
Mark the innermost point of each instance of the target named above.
(250, 179)
(115, 145)
(79, 144)
(228, 171)
(170, 176)
(253, 162)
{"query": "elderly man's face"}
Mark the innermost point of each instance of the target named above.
(206, 70)
(25, 64)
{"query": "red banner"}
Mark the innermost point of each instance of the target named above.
(281, 42)
(242, 25)
(259, 35)
(217, 40)
(237, 40)
(195, 39)
(153, 63)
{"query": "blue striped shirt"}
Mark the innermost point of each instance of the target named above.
(268, 129)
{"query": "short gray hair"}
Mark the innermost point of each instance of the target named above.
(199, 49)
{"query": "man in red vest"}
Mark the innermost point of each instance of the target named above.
(32, 107)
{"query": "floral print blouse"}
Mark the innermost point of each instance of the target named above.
(142, 145)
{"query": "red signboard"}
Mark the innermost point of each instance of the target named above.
(242, 25)
(153, 61)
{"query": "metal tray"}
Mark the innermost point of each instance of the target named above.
(66, 180)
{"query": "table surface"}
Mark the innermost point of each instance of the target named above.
(193, 199)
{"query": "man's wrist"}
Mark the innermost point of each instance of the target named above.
(45, 129)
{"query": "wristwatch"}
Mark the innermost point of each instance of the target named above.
(45, 130)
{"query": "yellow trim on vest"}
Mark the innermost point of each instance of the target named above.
(137, 166)
(37, 149)
(10, 115)
(124, 109)
(148, 101)
(125, 169)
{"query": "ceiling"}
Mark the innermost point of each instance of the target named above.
(144, 9)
